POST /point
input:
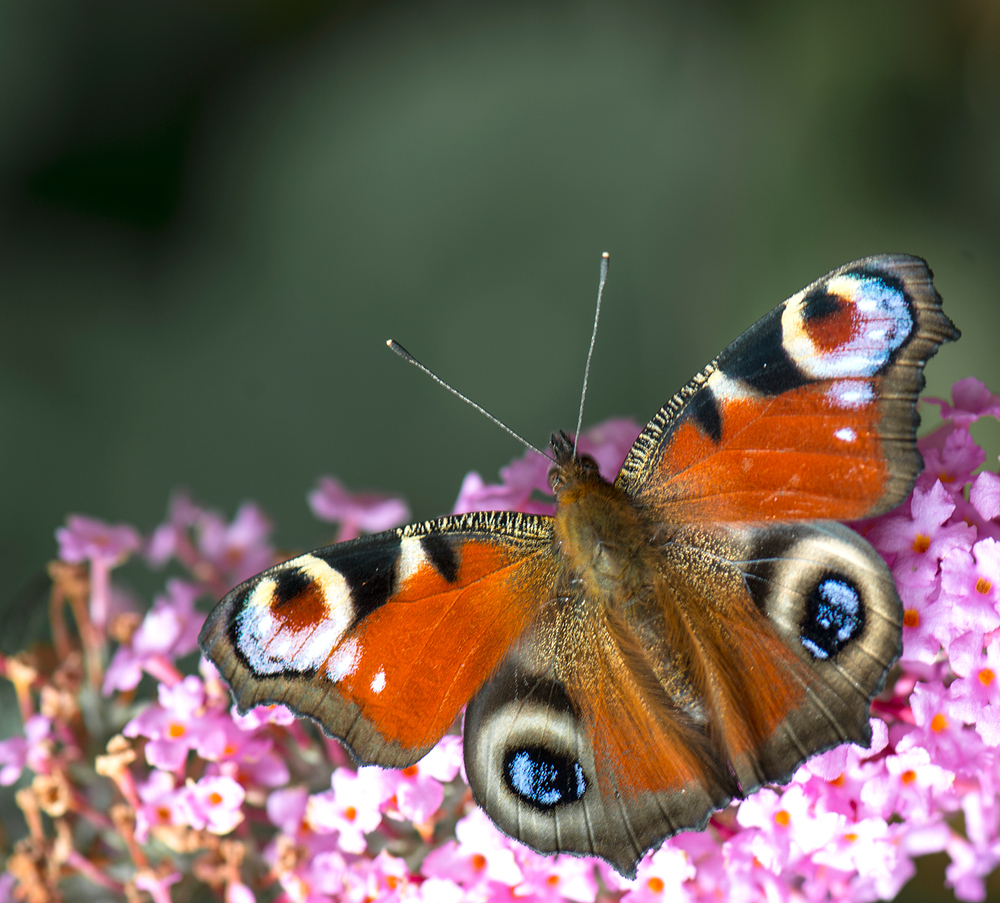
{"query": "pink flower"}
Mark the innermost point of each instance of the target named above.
(927, 623)
(356, 512)
(88, 539)
(240, 548)
(480, 854)
(221, 554)
(238, 892)
(970, 581)
(910, 786)
(837, 778)
(940, 733)
(168, 632)
(968, 867)
(551, 879)
(975, 694)
(662, 876)
(415, 793)
(607, 443)
(215, 804)
(286, 808)
(919, 540)
(519, 480)
(162, 804)
(970, 401)
(440, 890)
(105, 546)
(31, 750)
(984, 494)
(864, 846)
(385, 879)
(350, 808)
(950, 455)
(179, 724)
(788, 825)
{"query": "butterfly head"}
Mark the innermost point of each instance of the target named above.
(570, 470)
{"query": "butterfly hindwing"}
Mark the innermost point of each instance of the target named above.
(809, 414)
(383, 639)
(755, 649)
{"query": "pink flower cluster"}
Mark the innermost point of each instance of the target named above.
(210, 804)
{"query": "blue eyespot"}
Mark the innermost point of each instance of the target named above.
(543, 779)
(834, 616)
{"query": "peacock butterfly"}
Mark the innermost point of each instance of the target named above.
(662, 644)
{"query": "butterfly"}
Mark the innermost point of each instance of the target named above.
(662, 644)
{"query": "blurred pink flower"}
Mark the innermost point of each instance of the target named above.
(356, 512)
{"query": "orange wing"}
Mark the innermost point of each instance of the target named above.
(809, 414)
(382, 640)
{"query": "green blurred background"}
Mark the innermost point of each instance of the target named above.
(213, 214)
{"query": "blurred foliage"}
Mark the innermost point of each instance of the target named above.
(213, 214)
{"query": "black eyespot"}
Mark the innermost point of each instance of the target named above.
(834, 616)
(543, 779)
(820, 304)
(290, 584)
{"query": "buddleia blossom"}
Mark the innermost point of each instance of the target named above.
(206, 803)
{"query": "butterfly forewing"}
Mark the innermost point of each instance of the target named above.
(809, 414)
(383, 639)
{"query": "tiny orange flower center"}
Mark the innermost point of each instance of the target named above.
(838, 781)
(850, 837)
(655, 884)
(392, 882)
(552, 880)
(911, 618)
(946, 477)
(939, 723)
(163, 813)
(411, 772)
(350, 813)
(986, 676)
(215, 798)
(175, 730)
(782, 817)
(478, 861)
(921, 543)
(230, 749)
(908, 776)
(983, 586)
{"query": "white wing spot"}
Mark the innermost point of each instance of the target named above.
(846, 434)
(378, 682)
(411, 558)
(851, 393)
(726, 388)
(344, 662)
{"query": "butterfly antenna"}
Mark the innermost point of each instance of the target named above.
(605, 261)
(410, 359)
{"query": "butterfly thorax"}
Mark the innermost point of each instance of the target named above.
(600, 534)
